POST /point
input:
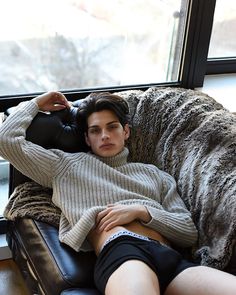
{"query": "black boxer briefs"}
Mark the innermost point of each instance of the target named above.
(163, 260)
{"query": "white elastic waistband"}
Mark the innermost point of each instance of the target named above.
(124, 233)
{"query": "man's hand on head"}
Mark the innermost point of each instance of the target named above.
(52, 101)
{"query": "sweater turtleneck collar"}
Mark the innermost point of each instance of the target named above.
(117, 160)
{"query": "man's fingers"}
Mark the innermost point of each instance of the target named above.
(61, 99)
(107, 224)
(58, 107)
(104, 218)
(101, 215)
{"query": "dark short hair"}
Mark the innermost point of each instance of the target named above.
(100, 101)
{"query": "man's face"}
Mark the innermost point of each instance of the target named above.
(106, 136)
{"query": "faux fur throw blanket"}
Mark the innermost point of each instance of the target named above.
(192, 137)
(33, 201)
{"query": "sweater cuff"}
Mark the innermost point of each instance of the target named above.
(30, 107)
(160, 220)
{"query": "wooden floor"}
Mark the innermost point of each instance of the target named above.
(11, 280)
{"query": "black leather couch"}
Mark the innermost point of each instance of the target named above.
(48, 266)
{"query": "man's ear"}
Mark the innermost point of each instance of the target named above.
(127, 131)
(86, 139)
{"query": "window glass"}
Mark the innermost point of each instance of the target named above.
(71, 44)
(4, 183)
(223, 41)
(4, 179)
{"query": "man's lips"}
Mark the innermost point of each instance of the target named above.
(106, 145)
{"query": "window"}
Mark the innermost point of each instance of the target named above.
(222, 50)
(223, 42)
(74, 44)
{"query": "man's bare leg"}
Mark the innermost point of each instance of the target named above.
(133, 277)
(202, 280)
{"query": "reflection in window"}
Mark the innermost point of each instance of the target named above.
(223, 42)
(73, 44)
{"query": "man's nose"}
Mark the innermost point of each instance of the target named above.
(105, 134)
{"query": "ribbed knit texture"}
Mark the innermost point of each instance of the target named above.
(83, 184)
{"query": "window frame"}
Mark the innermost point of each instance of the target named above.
(221, 66)
(3, 225)
(9, 101)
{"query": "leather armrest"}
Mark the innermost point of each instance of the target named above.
(56, 266)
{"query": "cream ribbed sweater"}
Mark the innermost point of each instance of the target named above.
(83, 184)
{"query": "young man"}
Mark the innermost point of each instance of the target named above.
(129, 213)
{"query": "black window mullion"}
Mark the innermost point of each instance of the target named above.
(198, 35)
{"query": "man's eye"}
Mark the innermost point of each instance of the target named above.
(113, 126)
(94, 131)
